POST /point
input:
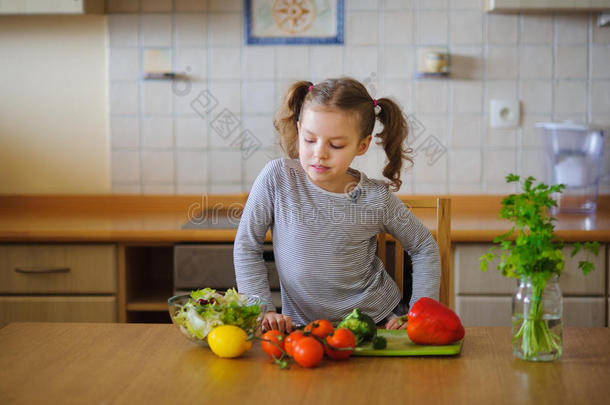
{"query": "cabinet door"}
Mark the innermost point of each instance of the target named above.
(211, 265)
(57, 309)
(469, 279)
(586, 312)
(573, 282)
(484, 311)
(58, 269)
(496, 311)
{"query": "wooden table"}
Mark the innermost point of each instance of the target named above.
(140, 363)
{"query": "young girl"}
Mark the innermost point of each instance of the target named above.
(324, 216)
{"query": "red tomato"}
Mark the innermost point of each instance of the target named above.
(291, 339)
(271, 340)
(341, 338)
(307, 352)
(320, 328)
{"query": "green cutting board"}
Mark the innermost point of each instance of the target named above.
(399, 344)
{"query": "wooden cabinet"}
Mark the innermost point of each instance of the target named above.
(20, 7)
(145, 282)
(484, 298)
(57, 269)
(155, 272)
(57, 309)
(57, 282)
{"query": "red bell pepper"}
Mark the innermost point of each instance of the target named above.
(432, 323)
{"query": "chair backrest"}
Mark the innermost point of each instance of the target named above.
(443, 239)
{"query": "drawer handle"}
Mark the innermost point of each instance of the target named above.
(42, 270)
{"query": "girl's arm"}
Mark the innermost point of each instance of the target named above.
(417, 241)
(257, 217)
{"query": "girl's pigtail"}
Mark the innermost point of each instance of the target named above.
(393, 137)
(287, 116)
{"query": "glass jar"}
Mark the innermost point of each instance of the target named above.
(537, 319)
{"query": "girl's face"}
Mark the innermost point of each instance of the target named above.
(329, 140)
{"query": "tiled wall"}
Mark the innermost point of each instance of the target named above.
(557, 66)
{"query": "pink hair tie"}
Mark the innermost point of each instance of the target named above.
(310, 87)
(375, 102)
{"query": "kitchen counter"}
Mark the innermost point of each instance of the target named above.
(160, 218)
(147, 363)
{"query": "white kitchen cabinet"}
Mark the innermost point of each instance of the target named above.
(484, 311)
(21, 7)
(469, 279)
(519, 6)
(484, 298)
(497, 311)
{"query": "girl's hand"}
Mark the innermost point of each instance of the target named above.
(273, 320)
(400, 322)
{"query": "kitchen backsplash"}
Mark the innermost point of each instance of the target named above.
(210, 131)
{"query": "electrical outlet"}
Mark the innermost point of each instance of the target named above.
(504, 113)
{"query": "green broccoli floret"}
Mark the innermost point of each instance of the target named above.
(362, 326)
(379, 342)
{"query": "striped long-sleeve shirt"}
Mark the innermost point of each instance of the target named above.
(325, 245)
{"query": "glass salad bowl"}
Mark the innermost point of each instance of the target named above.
(197, 313)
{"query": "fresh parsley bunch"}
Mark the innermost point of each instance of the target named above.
(529, 248)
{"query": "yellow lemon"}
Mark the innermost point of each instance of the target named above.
(228, 341)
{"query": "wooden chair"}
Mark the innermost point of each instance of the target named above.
(443, 239)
